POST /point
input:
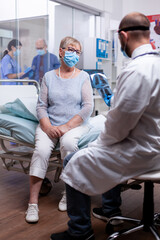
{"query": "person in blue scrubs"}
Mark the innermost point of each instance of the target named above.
(43, 61)
(10, 68)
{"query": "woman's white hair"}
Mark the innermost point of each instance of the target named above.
(69, 41)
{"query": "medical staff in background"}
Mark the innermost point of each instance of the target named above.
(10, 68)
(43, 61)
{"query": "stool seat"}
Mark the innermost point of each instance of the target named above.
(149, 221)
(153, 176)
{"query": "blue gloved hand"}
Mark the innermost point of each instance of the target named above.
(100, 82)
(30, 75)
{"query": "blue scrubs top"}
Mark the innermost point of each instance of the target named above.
(9, 65)
(50, 62)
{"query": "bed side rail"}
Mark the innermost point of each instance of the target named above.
(24, 81)
(9, 93)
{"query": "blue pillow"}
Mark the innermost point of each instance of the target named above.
(19, 109)
(97, 125)
(18, 128)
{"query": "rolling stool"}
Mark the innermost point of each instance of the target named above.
(149, 221)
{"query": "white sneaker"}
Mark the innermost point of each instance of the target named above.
(32, 213)
(63, 203)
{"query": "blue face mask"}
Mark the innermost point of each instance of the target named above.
(124, 53)
(40, 52)
(17, 53)
(70, 58)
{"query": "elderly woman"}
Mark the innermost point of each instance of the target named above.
(65, 104)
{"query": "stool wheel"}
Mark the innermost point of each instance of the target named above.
(157, 219)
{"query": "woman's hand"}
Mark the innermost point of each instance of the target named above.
(64, 128)
(72, 123)
(53, 132)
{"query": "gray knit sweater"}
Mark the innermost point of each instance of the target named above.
(61, 99)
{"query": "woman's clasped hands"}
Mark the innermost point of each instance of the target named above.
(57, 131)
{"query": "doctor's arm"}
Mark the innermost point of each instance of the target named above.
(129, 103)
(15, 75)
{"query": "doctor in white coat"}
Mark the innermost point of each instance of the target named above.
(130, 143)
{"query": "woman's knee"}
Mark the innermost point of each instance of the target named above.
(69, 144)
(42, 149)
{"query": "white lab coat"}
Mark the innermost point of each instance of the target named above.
(130, 142)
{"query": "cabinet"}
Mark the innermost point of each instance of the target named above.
(97, 54)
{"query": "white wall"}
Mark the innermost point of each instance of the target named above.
(147, 7)
(100, 5)
(117, 9)
(111, 13)
(7, 10)
(10, 9)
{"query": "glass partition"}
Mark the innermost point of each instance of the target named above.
(68, 21)
(83, 27)
(29, 20)
(32, 21)
(26, 21)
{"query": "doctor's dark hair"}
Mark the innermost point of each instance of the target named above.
(15, 43)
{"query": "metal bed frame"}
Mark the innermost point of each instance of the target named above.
(18, 158)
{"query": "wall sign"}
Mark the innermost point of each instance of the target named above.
(155, 30)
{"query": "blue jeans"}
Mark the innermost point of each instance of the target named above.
(111, 200)
(79, 205)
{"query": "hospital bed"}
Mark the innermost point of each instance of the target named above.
(18, 123)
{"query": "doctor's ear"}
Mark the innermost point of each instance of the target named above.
(124, 35)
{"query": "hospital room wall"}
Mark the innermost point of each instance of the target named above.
(114, 7)
(146, 7)
(34, 22)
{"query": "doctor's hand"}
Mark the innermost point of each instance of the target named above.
(20, 74)
(53, 132)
